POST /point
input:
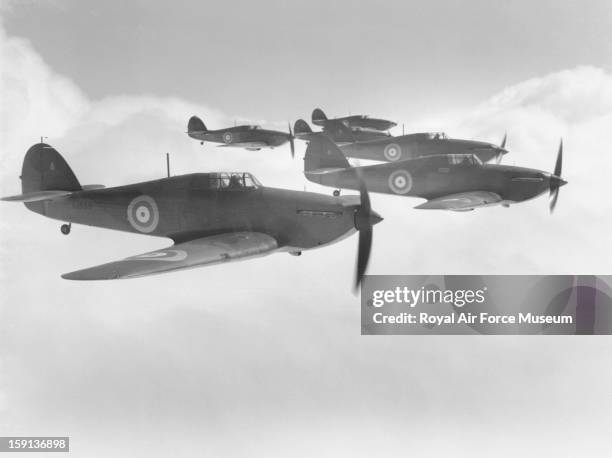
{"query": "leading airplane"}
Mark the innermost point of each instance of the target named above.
(459, 182)
(249, 137)
(211, 217)
(411, 146)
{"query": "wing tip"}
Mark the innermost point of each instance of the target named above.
(82, 275)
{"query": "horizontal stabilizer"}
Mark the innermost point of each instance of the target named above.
(36, 196)
(210, 250)
(462, 202)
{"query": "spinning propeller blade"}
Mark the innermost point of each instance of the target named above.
(365, 219)
(555, 180)
(291, 141)
(502, 145)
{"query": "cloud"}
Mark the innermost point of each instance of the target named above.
(265, 356)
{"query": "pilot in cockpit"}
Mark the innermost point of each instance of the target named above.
(235, 182)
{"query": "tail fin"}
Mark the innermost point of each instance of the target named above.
(318, 117)
(45, 175)
(44, 169)
(339, 131)
(322, 153)
(301, 129)
(195, 125)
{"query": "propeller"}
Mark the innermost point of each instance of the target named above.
(555, 180)
(502, 145)
(365, 219)
(291, 141)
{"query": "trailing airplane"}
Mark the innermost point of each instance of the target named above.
(211, 217)
(354, 121)
(411, 146)
(348, 129)
(250, 137)
(459, 182)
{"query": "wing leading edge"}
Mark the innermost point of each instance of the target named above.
(464, 201)
(248, 145)
(194, 253)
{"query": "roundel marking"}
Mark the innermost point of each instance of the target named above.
(166, 255)
(143, 214)
(227, 137)
(392, 152)
(400, 181)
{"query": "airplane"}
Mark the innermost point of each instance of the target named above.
(391, 149)
(458, 182)
(354, 121)
(211, 217)
(348, 129)
(250, 137)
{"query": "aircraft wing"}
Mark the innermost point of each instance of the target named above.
(253, 145)
(214, 249)
(462, 202)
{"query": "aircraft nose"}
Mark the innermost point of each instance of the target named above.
(557, 181)
(501, 150)
(375, 218)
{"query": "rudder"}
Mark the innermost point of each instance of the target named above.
(44, 169)
(318, 117)
(196, 125)
(301, 129)
(322, 153)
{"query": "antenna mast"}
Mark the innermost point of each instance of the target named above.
(168, 164)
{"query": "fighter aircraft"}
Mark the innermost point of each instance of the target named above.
(349, 129)
(459, 182)
(250, 137)
(354, 121)
(211, 217)
(390, 149)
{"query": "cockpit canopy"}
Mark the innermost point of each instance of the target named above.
(253, 127)
(437, 136)
(470, 159)
(232, 180)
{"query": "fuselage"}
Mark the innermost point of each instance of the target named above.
(186, 207)
(433, 177)
(359, 121)
(341, 134)
(392, 149)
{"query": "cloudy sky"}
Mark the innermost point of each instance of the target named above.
(264, 357)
